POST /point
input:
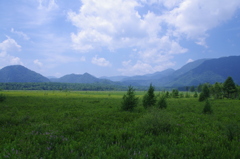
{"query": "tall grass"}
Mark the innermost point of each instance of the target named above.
(53, 124)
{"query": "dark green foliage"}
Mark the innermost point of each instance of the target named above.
(167, 94)
(88, 124)
(192, 88)
(207, 108)
(149, 98)
(233, 131)
(2, 97)
(206, 91)
(229, 88)
(195, 95)
(201, 97)
(155, 123)
(129, 101)
(187, 95)
(162, 103)
(175, 93)
(217, 90)
(205, 94)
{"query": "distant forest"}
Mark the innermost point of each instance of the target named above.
(84, 87)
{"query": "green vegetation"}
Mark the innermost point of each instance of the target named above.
(129, 101)
(229, 88)
(89, 124)
(149, 98)
(162, 103)
(2, 98)
(207, 108)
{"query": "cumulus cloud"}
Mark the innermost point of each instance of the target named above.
(193, 18)
(38, 63)
(7, 46)
(100, 61)
(189, 60)
(154, 35)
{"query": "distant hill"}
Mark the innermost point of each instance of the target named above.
(114, 78)
(18, 73)
(84, 78)
(156, 75)
(193, 73)
(211, 71)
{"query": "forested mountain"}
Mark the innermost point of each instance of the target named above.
(84, 78)
(194, 73)
(211, 71)
(18, 73)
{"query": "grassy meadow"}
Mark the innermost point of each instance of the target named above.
(84, 124)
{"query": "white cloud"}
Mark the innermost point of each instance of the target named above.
(154, 35)
(141, 68)
(193, 18)
(100, 61)
(21, 34)
(7, 46)
(189, 60)
(15, 60)
(38, 63)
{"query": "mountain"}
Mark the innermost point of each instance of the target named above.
(85, 78)
(211, 71)
(147, 77)
(114, 78)
(189, 66)
(18, 73)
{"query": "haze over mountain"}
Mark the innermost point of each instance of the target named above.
(193, 73)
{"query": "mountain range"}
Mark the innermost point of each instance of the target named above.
(193, 73)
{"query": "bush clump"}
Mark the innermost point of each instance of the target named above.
(2, 97)
(129, 100)
(207, 108)
(149, 98)
(162, 103)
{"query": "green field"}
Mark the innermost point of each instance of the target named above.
(54, 124)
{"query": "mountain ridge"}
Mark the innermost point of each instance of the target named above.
(193, 73)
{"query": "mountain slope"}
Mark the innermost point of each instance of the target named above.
(211, 71)
(85, 78)
(18, 73)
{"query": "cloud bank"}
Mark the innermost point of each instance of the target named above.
(155, 35)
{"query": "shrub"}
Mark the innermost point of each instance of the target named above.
(162, 103)
(175, 93)
(2, 97)
(149, 99)
(187, 95)
(195, 95)
(129, 101)
(155, 122)
(233, 131)
(207, 108)
(201, 97)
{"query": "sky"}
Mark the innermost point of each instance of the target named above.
(116, 37)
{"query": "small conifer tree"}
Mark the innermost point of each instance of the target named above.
(149, 98)
(162, 103)
(207, 108)
(2, 97)
(129, 100)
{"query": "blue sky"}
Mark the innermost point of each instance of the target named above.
(115, 37)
